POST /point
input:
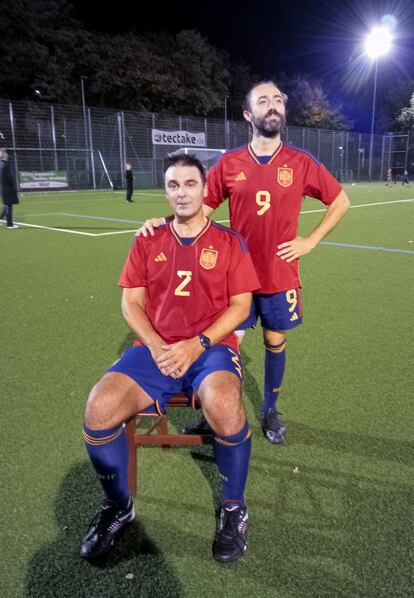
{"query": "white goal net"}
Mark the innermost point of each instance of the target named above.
(207, 156)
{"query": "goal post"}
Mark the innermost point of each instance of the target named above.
(344, 176)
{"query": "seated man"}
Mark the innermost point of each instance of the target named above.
(186, 289)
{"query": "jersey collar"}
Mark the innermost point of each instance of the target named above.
(272, 159)
(200, 234)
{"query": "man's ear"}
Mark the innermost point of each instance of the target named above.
(247, 116)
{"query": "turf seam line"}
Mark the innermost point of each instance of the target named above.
(366, 247)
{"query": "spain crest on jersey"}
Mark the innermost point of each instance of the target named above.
(285, 176)
(208, 258)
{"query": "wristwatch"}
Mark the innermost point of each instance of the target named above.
(204, 341)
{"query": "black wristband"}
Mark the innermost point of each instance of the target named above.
(204, 341)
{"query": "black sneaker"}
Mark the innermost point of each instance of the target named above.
(104, 528)
(230, 542)
(273, 429)
(198, 427)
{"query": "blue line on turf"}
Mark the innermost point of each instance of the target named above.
(102, 218)
(323, 242)
(367, 247)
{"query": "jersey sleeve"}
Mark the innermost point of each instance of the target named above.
(135, 272)
(320, 184)
(216, 192)
(242, 277)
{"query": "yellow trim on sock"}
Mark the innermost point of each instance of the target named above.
(104, 440)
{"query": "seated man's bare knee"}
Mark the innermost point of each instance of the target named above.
(111, 401)
(100, 408)
(220, 395)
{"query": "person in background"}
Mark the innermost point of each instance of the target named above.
(8, 190)
(405, 180)
(129, 175)
(389, 178)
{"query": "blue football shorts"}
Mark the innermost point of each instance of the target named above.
(138, 364)
(279, 311)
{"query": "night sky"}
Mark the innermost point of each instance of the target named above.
(324, 39)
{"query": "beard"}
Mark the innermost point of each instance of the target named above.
(268, 128)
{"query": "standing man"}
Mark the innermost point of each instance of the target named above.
(265, 182)
(186, 289)
(8, 190)
(129, 176)
(390, 177)
(405, 180)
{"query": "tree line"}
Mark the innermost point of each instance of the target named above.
(44, 48)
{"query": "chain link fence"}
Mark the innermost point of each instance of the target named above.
(87, 148)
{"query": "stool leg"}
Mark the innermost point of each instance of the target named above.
(132, 455)
(163, 428)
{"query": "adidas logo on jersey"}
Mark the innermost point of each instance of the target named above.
(294, 317)
(161, 257)
(241, 177)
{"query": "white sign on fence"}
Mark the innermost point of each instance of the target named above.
(53, 179)
(178, 138)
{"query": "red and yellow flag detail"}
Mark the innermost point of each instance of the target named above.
(208, 258)
(285, 176)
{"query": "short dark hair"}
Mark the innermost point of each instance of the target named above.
(185, 160)
(247, 97)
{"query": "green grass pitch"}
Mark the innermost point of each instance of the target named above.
(341, 526)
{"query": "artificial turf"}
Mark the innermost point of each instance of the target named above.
(331, 512)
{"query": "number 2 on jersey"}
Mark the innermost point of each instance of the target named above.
(187, 274)
(263, 200)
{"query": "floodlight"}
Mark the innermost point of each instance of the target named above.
(378, 42)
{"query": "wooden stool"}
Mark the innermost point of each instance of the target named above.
(157, 434)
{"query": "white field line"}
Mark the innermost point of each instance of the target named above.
(58, 201)
(42, 214)
(75, 232)
(59, 230)
(118, 232)
(63, 230)
(363, 205)
(31, 194)
(105, 199)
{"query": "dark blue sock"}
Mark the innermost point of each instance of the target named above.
(232, 455)
(275, 363)
(108, 451)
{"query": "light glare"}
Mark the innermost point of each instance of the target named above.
(378, 42)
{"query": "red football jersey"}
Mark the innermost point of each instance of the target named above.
(189, 286)
(265, 202)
